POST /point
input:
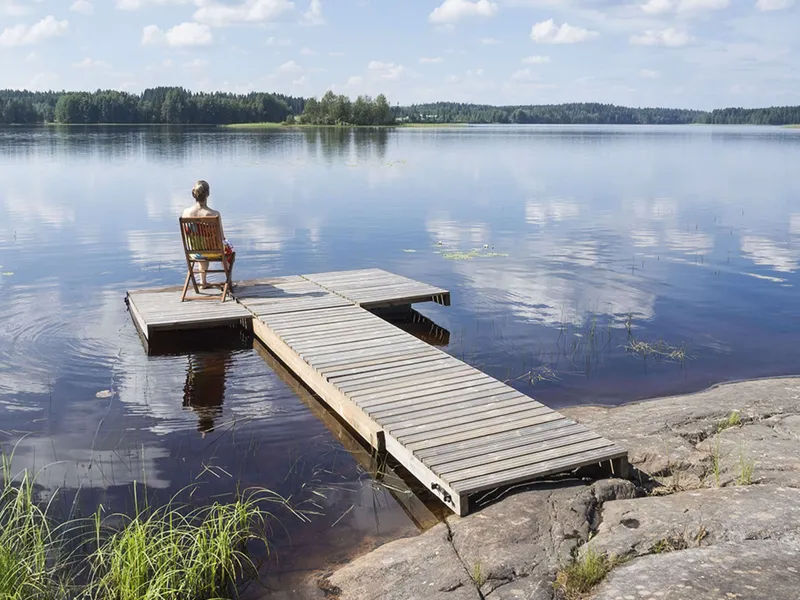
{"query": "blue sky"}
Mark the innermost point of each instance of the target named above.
(682, 53)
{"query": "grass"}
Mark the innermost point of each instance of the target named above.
(25, 541)
(746, 468)
(658, 350)
(578, 578)
(715, 460)
(255, 126)
(732, 420)
(478, 576)
(792, 126)
(171, 552)
(431, 125)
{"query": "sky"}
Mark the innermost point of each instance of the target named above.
(678, 53)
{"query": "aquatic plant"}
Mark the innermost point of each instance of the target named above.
(175, 552)
(28, 549)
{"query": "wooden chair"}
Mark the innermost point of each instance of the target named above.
(203, 242)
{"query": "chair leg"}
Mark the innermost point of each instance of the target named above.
(186, 285)
(194, 279)
(228, 283)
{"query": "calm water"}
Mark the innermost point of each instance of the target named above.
(562, 246)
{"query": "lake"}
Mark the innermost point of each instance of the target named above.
(586, 264)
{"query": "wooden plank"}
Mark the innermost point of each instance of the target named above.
(389, 371)
(426, 477)
(411, 386)
(443, 299)
(320, 349)
(494, 468)
(422, 390)
(481, 432)
(410, 363)
(477, 409)
(529, 471)
(399, 354)
(337, 330)
(514, 439)
(438, 409)
(392, 375)
(458, 426)
(497, 456)
(137, 317)
(400, 409)
(422, 396)
(357, 353)
(437, 372)
(346, 337)
(321, 315)
(320, 325)
(352, 414)
(387, 360)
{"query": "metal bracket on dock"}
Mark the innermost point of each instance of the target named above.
(446, 497)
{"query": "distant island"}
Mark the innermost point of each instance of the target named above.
(178, 106)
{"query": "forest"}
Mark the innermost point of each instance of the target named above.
(173, 105)
(158, 105)
(339, 110)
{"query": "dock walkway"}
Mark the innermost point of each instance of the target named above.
(456, 429)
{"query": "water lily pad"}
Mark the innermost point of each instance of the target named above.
(104, 394)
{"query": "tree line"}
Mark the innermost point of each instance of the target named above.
(157, 105)
(339, 110)
(179, 106)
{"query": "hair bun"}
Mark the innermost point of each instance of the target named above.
(201, 190)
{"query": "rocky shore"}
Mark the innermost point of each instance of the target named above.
(712, 512)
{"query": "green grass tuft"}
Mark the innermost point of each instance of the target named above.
(578, 578)
(732, 420)
(746, 468)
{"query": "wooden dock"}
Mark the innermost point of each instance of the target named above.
(457, 430)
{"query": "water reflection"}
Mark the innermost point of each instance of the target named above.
(557, 243)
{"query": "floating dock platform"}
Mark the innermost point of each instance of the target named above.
(456, 429)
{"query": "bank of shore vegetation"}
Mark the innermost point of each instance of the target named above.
(173, 105)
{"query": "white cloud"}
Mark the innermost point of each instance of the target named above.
(535, 60)
(137, 4)
(523, 75)
(773, 4)
(308, 52)
(699, 5)
(430, 60)
(313, 16)
(659, 7)
(82, 6)
(22, 35)
(250, 11)
(547, 32)
(489, 41)
(88, 63)
(388, 71)
(185, 34)
(354, 80)
(666, 37)
(454, 10)
(290, 67)
(300, 80)
(273, 41)
(648, 74)
(336, 54)
(12, 9)
(197, 63)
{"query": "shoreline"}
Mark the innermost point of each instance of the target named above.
(716, 479)
(281, 125)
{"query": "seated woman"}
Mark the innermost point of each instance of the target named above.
(200, 192)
